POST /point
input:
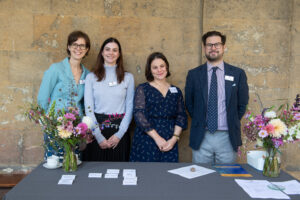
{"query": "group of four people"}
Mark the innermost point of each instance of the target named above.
(216, 96)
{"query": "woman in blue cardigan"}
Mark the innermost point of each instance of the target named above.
(64, 81)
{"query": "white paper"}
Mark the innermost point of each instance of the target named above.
(260, 189)
(111, 175)
(191, 171)
(68, 177)
(95, 175)
(130, 181)
(130, 173)
(291, 187)
(113, 171)
(65, 181)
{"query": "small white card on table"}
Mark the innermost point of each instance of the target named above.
(95, 175)
(112, 171)
(130, 173)
(111, 175)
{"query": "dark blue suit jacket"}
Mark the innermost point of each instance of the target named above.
(196, 96)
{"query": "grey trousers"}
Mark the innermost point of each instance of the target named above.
(215, 149)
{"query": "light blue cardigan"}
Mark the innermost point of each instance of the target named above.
(59, 85)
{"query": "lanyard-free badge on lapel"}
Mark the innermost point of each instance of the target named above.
(173, 90)
(81, 82)
(111, 84)
(229, 78)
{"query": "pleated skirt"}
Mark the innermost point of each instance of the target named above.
(109, 125)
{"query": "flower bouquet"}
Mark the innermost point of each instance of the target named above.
(64, 129)
(271, 130)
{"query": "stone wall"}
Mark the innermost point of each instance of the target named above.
(262, 37)
(33, 35)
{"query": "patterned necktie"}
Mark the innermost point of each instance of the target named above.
(212, 106)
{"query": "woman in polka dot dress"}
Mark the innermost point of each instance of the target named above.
(159, 114)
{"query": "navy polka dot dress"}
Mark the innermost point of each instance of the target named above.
(154, 111)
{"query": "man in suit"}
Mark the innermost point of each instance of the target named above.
(216, 95)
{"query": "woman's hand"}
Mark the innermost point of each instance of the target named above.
(89, 138)
(105, 144)
(160, 142)
(114, 141)
(169, 144)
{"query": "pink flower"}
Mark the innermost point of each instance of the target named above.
(277, 142)
(69, 126)
(270, 128)
(70, 116)
(263, 133)
(297, 116)
(83, 128)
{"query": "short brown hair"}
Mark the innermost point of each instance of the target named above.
(74, 36)
(213, 33)
(150, 59)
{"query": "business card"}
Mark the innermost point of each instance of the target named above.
(95, 175)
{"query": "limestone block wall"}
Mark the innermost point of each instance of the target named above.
(33, 35)
(263, 39)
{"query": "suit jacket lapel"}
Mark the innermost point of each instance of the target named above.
(203, 80)
(228, 84)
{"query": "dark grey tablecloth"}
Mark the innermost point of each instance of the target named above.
(154, 183)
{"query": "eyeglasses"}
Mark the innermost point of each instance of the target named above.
(81, 46)
(216, 45)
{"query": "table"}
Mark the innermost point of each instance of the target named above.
(154, 183)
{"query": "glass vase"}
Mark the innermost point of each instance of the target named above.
(70, 160)
(272, 163)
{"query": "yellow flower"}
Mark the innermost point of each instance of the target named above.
(63, 133)
(279, 128)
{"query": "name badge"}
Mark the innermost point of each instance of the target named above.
(111, 84)
(229, 78)
(173, 90)
(81, 82)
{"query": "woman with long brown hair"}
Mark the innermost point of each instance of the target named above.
(108, 98)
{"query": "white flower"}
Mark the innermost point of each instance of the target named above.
(295, 131)
(270, 114)
(263, 133)
(290, 138)
(59, 119)
(279, 128)
(88, 121)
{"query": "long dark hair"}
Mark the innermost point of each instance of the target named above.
(99, 70)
